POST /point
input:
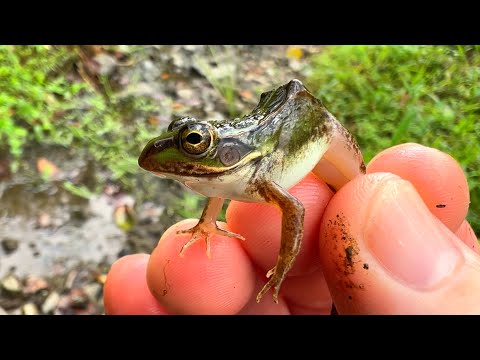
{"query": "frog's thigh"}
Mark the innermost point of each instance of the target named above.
(330, 174)
(342, 161)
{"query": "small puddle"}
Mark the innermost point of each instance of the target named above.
(43, 250)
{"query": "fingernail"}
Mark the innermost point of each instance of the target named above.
(406, 238)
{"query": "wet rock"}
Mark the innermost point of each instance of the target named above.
(11, 284)
(30, 309)
(51, 303)
(33, 284)
(9, 245)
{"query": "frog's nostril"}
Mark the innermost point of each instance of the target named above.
(296, 85)
(147, 158)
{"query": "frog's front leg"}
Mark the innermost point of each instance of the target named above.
(207, 226)
(293, 214)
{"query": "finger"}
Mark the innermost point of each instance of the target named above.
(466, 234)
(196, 284)
(260, 224)
(438, 178)
(126, 291)
(383, 252)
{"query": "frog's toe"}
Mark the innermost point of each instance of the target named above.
(275, 281)
(222, 232)
(271, 272)
(196, 235)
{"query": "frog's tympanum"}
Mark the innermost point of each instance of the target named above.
(256, 158)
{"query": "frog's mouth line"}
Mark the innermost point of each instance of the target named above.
(183, 170)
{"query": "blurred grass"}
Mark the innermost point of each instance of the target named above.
(43, 102)
(393, 94)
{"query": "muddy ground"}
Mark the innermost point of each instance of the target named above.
(56, 247)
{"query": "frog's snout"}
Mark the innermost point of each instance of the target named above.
(149, 156)
(146, 154)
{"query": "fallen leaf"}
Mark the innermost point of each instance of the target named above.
(294, 53)
(247, 95)
(153, 120)
(47, 169)
(165, 76)
(102, 278)
(124, 217)
(177, 106)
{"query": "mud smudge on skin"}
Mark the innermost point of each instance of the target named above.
(167, 286)
(345, 249)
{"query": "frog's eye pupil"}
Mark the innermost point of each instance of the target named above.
(194, 138)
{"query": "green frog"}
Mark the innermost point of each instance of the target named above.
(257, 158)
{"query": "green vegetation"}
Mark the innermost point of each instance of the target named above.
(43, 101)
(393, 94)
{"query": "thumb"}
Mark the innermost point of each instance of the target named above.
(383, 252)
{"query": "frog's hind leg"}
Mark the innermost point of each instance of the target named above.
(207, 226)
(342, 161)
(292, 233)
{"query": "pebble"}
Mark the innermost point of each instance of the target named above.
(51, 302)
(3, 312)
(30, 309)
(11, 284)
(9, 245)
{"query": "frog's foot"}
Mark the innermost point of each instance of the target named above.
(275, 281)
(205, 230)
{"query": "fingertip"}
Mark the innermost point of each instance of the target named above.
(126, 291)
(194, 283)
(467, 235)
(383, 252)
(437, 177)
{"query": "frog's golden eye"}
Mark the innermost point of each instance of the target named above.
(196, 139)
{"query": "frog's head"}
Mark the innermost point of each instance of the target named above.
(195, 148)
(191, 147)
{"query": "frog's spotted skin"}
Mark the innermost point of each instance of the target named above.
(256, 158)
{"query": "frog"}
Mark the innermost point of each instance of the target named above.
(257, 158)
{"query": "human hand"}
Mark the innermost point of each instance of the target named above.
(384, 244)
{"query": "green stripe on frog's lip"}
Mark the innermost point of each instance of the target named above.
(153, 147)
